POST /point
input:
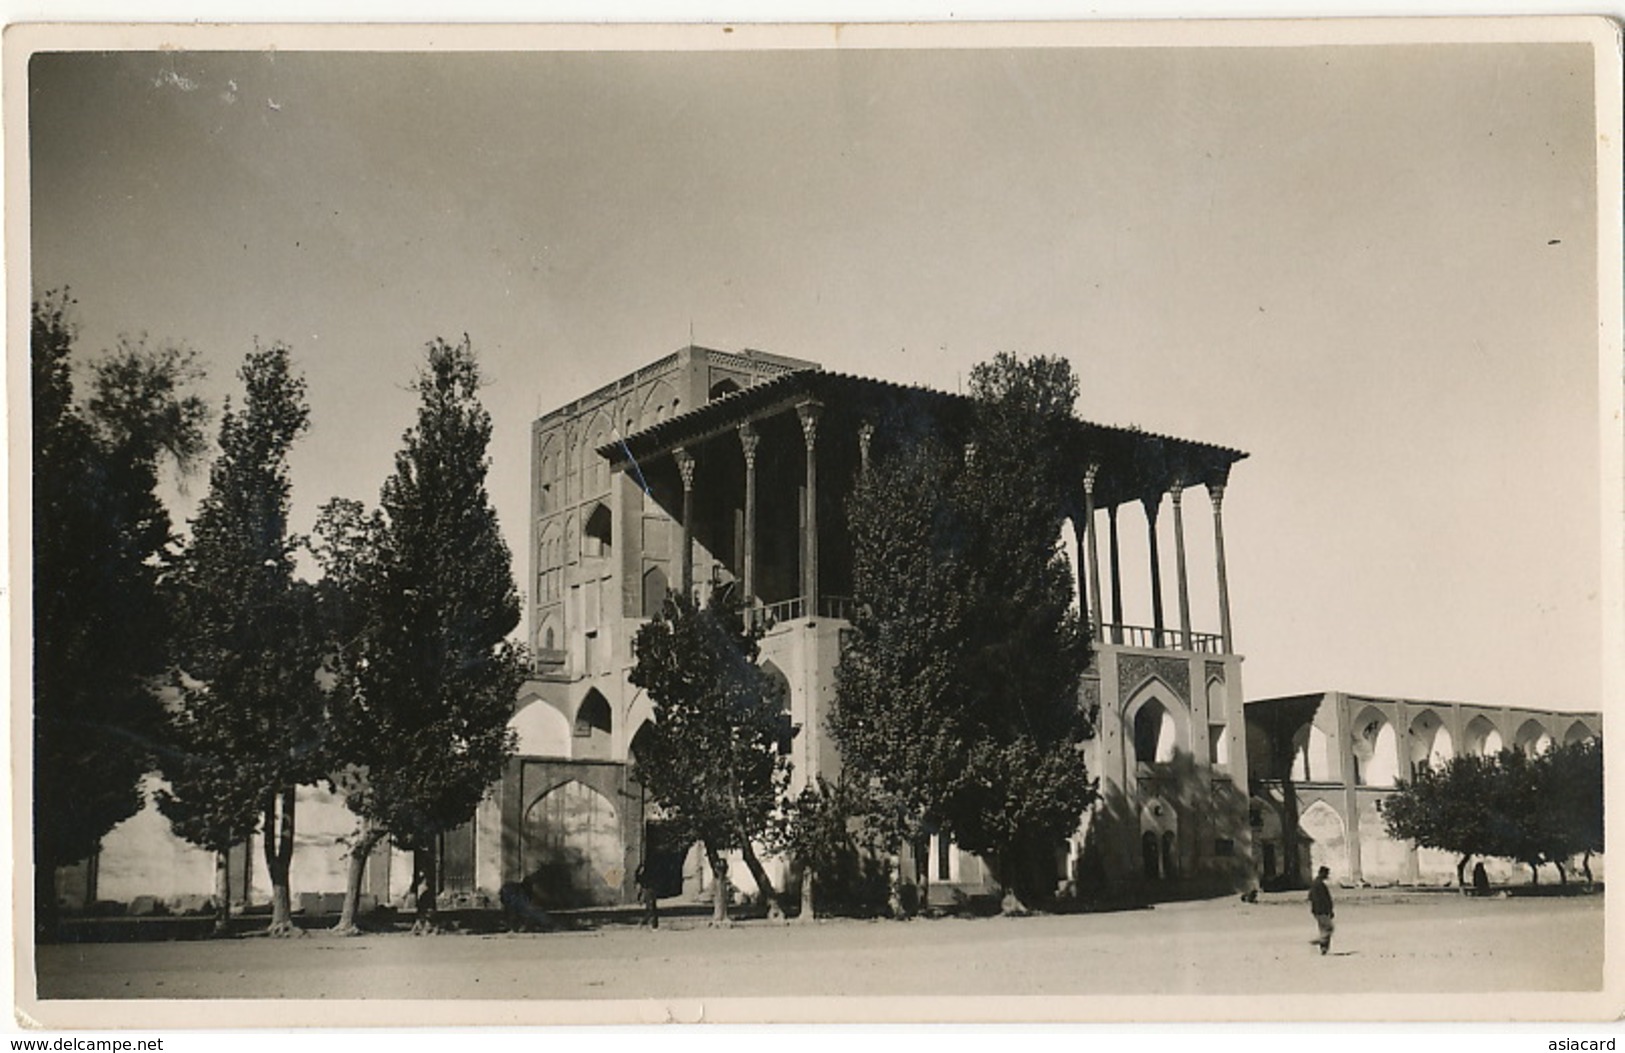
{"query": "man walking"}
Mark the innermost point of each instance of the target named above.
(1320, 905)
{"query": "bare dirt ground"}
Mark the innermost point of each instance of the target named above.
(1385, 943)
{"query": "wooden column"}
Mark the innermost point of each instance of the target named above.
(748, 441)
(866, 434)
(1080, 531)
(685, 465)
(1152, 505)
(1097, 615)
(1215, 492)
(1175, 493)
(1117, 577)
(809, 412)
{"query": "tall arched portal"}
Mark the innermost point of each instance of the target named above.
(571, 848)
(1328, 838)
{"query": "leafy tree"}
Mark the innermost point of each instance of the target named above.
(827, 832)
(1534, 810)
(248, 729)
(1452, 809)
(101, 631)
(711, 757)
(958, 698)
(1520, 820)
(1574, 788)
(420, 722)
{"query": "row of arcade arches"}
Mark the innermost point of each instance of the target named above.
(1374, 757)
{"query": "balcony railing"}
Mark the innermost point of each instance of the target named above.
(1164, 639)
(765, 616)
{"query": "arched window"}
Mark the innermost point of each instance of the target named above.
(655, 588)
(1375, 760)
(726, 386)
(1578, 732)
(781, 684)
(1533, 738)
(1430, 745)
(592, 715)
(1311, 755)
(597, 537)
(657, 402)
(1482, 738)
(1154, 734)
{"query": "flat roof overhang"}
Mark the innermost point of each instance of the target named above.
(1134, 464)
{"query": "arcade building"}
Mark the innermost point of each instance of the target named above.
(1322, 764)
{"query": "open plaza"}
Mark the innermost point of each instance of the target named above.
(1388, 941)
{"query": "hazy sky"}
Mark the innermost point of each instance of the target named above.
(1373, 268)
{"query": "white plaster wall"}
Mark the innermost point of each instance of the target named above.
(143, 857)
(542, 731)
(323, 827)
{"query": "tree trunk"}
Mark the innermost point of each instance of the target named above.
(1585, 867)
(1461, 873)
(1007, 873)
(1290, 858)
(922, 867)
(808, 913)
(764, 884)
(366, 840)
(1534, 872)
(894, 894)
(426, 864)
(46, 912)
(719, 887)
(278, 842)
(1562, 873)
(222, 892)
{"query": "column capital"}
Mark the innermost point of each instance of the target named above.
(1090, 474)
(1152, 504)
(1176, 488)
(685, 465)
(749, 439)
(809, 412)
(1215, 493)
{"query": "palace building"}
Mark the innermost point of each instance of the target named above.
(708, 470)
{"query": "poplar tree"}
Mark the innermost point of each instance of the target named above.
(249, 726)
(958, 697)
(422, 726)
(100, 534)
